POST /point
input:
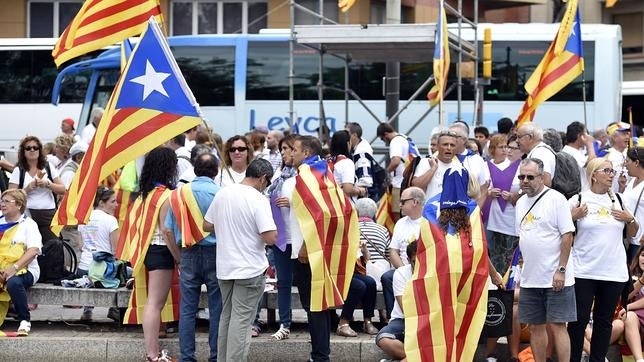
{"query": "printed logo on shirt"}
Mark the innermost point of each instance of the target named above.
(529, 221)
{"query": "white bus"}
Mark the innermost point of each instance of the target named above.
(241, 82)
(27, 76)
(633, 97)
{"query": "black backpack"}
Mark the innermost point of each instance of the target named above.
(566, 179)
(52, 262)
(378, 175)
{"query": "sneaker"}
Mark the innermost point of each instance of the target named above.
(282, 333)
(255, 330)
(24, 329)
(86, 316)
(114, 314)
(491, 358)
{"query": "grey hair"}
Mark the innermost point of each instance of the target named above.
(279, 135)
(536, 161)
(552, 138)
(260, 167)
(533, 129)
(460, 129)
(417, 194)
(97, 112)
(366, 207)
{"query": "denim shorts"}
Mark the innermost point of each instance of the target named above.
(544, 305)
(394, 330)
(158, 257)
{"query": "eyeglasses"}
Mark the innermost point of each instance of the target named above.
(607, 171)
(529, 177)
(238, 149)
(5, 201)
(32, 148)
(513, 148)
(519, 136)
(402, 201)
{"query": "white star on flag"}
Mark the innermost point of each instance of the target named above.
(151, 81)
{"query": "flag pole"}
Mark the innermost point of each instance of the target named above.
(583, 93)
(630, 121)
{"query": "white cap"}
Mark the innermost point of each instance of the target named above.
(78, 147)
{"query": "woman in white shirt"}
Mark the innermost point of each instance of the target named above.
(599, 258)
(238, 153)
(634, 191)
(344, 169)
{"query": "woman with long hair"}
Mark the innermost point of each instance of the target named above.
(144, 245)
(598, 257)
(238, 153)
(41, 183)
(344, 170)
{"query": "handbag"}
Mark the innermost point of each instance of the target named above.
(498, 321)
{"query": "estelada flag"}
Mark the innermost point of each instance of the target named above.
(100, 23)
(445, 302)
(151, 103)
(329, 225)
(133, 244)
(188, 215)
(441, 59)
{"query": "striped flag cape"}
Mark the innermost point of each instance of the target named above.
(445, 302)
(100, 23)
(10, 253)
(385, 213)
(123, 202)
(133, 244)
(441, 59)
(188, 215)
(329, 225)
(562, 63)
(151, 103)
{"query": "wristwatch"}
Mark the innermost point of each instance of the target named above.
(561, 269)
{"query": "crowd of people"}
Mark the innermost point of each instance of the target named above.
(207, 212)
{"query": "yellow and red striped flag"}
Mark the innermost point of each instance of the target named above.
(100, 23)
(562, 63)
(188, 215)
(385, 213)
(345, 5)
(441, 59)
(134, 241)
(150, 104)
(445, 302)
(329, 225)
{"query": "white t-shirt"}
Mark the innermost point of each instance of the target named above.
(405, 231)
(435, 185)
(363, 147)
(540, 238)
(344, 172)
(476, 166)
(183, 160)
(297, 240)
(96, 236)
(88, 133)
(599, 252)
(398, 147)
(401, 276)
(240, 214)
(631, 195)
(542, 152)
(503, 221)
(40, 198)
(581, 159)
(28, 235)
(224, 178)
(617, 159)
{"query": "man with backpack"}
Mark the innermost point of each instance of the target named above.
(369, 173)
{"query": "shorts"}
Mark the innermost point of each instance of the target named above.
(544, 305)
(394, 330)
(158, 258)
(395, 199)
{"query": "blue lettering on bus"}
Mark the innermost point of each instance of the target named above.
(308, 124)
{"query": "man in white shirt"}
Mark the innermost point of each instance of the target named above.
(90, 129)
(530, 140)
(579, 144)
(391, 338)
(272, 153)
(357, 143)
(406, 230)
(241, 218)
(545, 229)
(472, 161)
(429, 172)
(620, 135)
(399, 154)
(183, 155)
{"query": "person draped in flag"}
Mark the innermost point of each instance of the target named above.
(241, 217)
(184, 224)
(446, 302)
(324, 228)
(20, 243)
(143, 243)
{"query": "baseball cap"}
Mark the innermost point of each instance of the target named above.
(618, 127)
(78, 147)
(69, 122)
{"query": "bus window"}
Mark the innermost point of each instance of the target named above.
(210, 73)
(26, 76)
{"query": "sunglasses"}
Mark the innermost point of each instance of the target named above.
(32, 148)
(529, 177)
(607, 171)
(238, 149)
(402, 201)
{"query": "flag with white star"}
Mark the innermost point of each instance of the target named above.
(151, 103)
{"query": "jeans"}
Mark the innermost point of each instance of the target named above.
(197, 267)
(284, 270)
(387, 280)
(240, 298)
(319, 322)
(605, 295)
(17, 287)
(362, 290)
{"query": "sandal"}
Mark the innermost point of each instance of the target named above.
(162, 357)
(344, 330)
(282, 333)
(369, 328)
(255, 331)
